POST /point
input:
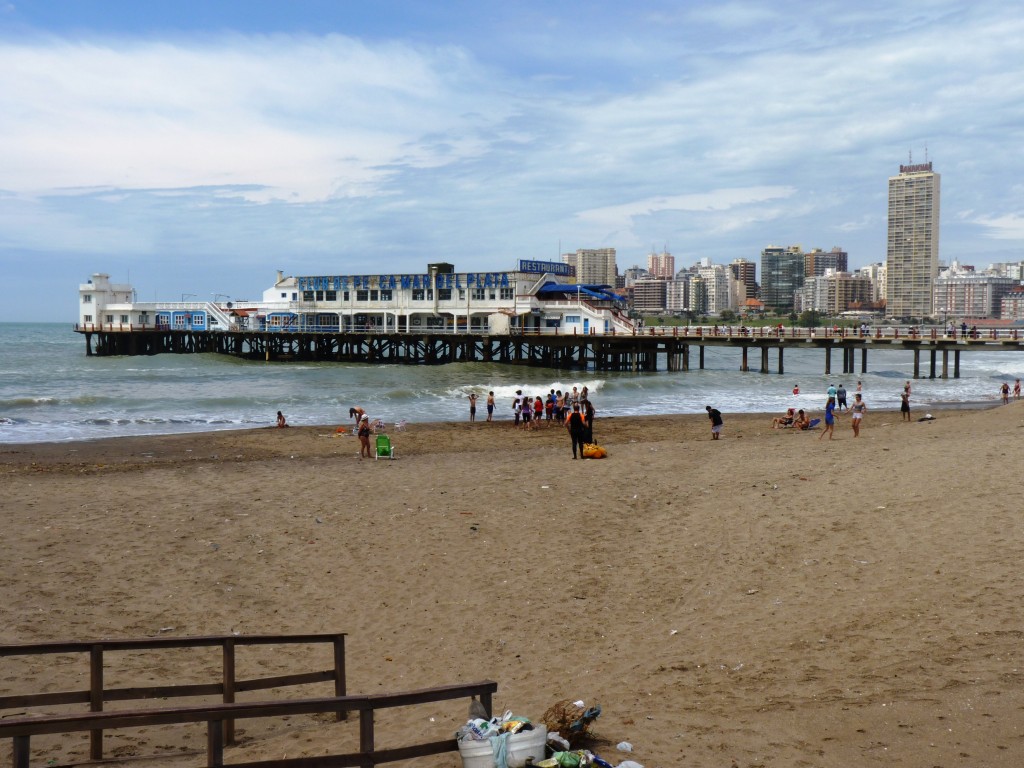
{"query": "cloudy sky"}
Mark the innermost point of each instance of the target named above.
(198, 146)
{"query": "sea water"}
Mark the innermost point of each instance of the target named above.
(50, 390)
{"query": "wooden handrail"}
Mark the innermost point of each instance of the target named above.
(228, 686)
(20, 730)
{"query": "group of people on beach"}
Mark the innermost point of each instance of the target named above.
(835, 403)
(573, 410)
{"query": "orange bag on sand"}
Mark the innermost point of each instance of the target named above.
(593, 451)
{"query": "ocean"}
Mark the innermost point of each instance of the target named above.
(51, 391)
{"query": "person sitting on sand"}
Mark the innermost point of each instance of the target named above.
(781, 422)
(281, 420)
(801, 421)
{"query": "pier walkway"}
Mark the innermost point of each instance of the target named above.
(639, 351)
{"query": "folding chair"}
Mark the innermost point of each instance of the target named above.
(400, 426)
(383, 448)
(379, 426)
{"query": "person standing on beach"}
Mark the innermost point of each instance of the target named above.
(472, 406)
(796, 389)
(905, 405)
(832, 394)
(517, 405)
(364, 437)
(841, 398)
(588, 419)
(859, 409)
(577, 429)
(356, 413)
(715, 416)
(1016, 390)
(830, 421)
(1005, 392)
(490, 406)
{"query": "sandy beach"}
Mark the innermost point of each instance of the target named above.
(769, 599)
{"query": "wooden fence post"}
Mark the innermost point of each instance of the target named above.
(229, 686)
(214, 743)
(340, 683)
(19, 758)
(366, 736)
(96, 698)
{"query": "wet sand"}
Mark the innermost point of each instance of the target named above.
(769, 599)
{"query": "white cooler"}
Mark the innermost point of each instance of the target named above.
(478, 754)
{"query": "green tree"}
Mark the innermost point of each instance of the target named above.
(809, 318)
(727, 315)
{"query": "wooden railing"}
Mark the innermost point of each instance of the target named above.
(217, 716)
(228, 686)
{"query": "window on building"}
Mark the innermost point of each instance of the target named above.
(110, 318)
(319, 295)
(462, 294)
(572, 318)
(307, 295)
(385, 295)
(362, 295)
(144, 318)
(444, 294)
(124, 318)
(284, 295)
(344, 296)
(418, 294)
(295, 296)
(331, 295)
(87, 298)
(508, 293)
(479, 294)
(374, 295)
(493, 295)
(87, 319)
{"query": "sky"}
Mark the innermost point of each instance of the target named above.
(197, 147)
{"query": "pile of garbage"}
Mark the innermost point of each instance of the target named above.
(513, 741)
(481, 729)
(581, 758)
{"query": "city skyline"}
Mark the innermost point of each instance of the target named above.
(199, 147)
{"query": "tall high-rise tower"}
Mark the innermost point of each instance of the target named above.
(912, 253)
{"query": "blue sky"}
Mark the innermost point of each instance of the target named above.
(198, 147)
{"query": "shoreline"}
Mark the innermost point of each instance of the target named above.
(322, 441)
(108, 444)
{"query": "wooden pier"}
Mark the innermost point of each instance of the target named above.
(638, 352)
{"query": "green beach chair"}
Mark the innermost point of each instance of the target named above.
(384, 448)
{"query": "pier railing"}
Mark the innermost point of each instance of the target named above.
(740, 332)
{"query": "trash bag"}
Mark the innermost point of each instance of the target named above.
(570, 720)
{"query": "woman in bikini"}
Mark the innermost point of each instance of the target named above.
(858, 410)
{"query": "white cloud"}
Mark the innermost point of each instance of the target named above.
(297, 118)
(1007, 227)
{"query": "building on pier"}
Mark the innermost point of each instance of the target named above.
(537, 297)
